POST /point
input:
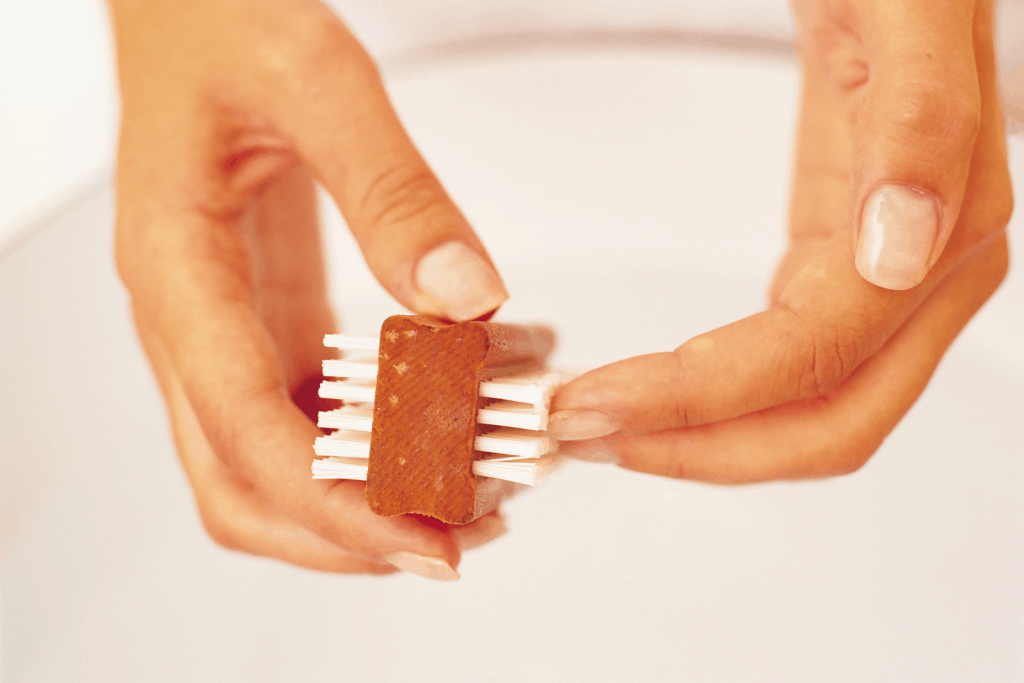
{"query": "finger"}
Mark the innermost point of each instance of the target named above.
(822, 436)
(821, 175)
(189, 277)
(290, 282)
(826, 322)
(914, 136)
(415, 240)
(233, 512)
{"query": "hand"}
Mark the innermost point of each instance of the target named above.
(900, 199)
(230, 109)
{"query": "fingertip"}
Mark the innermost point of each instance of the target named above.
(436, 568)
(377, 569)
(914, 139)
(436, 556)
(635, 394)
(422, 545)
(457, 283)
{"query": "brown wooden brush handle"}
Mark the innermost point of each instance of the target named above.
(424, 414)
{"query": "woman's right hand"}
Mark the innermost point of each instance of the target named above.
(230, 110)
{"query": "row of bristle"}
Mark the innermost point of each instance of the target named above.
(512, 450)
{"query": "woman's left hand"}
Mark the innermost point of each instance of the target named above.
(901, 195)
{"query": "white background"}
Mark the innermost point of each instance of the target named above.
(58, 102)
(908, 570)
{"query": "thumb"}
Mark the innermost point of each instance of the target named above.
(414, 239)
(913, 138)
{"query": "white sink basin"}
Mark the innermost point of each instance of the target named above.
(573, 165)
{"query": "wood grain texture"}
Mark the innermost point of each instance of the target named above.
(424, 416)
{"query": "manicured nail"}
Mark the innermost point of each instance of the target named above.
(483, 530)
(577, 425)
(461, 281)
(430, 567)
(897, 235)
(596, 451)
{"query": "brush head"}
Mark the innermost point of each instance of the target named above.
(424, 418)
(436, 384)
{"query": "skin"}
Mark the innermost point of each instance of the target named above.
(233, 109)
(230, 110)
(893, 92)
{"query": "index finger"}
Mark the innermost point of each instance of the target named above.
(827, 321)
(188, 275)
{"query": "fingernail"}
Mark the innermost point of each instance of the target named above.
(482, 531)
(577, 425)
(461, 281)
(897, 235)
(430, 567)
(590, 451)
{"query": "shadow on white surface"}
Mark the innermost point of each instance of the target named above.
(571, 165)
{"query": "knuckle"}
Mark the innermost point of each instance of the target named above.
(691, 369)
(400, 193)
(825, 357)
(231, 427)
(836, 54)
(315, 44)
(676, 468)
(833, 355)
(936, 111)
(988, 212)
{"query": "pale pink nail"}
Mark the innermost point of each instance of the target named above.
(898, 231)
(595, 451)
(462, 283)
(430, 567)
(577, 425)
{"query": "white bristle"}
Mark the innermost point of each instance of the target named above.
(529, 472)
(534, 387)
(514, 414)
(340, 468)
(513, 442)
(346, 444)
(356, 369)
(356, 444)
(498, 414)
(351, 342)
(358, 418)
(353, 392)
(521, 471)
